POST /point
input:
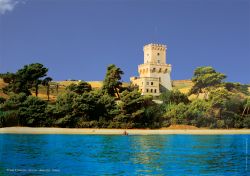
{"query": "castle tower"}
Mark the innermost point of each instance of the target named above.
(154, 73)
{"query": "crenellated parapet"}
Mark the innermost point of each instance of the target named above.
(153, 46)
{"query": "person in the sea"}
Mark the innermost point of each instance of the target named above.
(125, 133)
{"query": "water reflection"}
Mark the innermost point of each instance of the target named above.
(147, 153)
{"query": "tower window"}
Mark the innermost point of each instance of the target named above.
(155, 90)
(158, 61)
(152, 83)
(147, 90)
(151, 90)
(158, 54)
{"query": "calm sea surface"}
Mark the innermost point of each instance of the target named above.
(124, 155)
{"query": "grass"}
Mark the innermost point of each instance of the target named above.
(182, 85)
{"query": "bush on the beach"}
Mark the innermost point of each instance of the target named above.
(246, 121)
(9, 118)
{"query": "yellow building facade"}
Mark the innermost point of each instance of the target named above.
(154, 73)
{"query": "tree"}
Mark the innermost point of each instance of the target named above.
(15, 84)
(22, 110)
(8, 77)
(14, 102)
(176, 114)
(63, 110)
(86, 106)
(218, 99)
(64, 103)
(79, 88)
(11, 110)
(132, 107)
(174, 97)
(197, 113)
(219, 96)
(32, 112)
(46, 82)
(112, 83)
(24, 79)
(204, 78)
(107, 106)
(32, 73)
(153, 115)
(237, 87)
(36, 83)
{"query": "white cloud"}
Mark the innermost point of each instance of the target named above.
(7, 5)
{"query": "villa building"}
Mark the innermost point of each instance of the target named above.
(154, 73)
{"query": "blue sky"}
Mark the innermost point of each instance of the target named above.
(78, 39)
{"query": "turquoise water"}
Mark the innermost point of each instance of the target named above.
(124, 155)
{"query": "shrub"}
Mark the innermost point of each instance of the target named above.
(2, 100)
(221, 124)
(177, 114)
(63, 122)
(246, 122)
(9, 118)
(88, 124)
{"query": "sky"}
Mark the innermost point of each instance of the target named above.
(78, 39)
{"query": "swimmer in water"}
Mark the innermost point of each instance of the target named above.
(125, 133)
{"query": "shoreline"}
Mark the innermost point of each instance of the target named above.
(103, 131)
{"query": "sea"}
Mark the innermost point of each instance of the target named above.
(170, 155)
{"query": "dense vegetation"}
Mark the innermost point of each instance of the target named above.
(211, 103)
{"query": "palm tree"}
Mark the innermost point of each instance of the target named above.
(37, 82)
(46, 82)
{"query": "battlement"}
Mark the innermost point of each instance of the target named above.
(154, 46)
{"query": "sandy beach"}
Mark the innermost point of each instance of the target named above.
(93, 131)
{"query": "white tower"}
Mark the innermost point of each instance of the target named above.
(154, 73)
